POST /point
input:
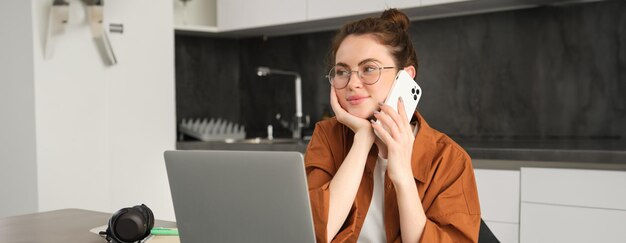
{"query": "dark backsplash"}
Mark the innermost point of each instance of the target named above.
(541, 73)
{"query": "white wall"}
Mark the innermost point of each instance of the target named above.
(143, 107)
(18, 178)
(100, 131)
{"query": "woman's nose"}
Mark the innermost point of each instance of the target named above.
(356, 80)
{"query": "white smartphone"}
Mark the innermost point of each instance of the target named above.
(404, 86)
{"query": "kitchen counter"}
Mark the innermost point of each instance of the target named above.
(299, 146)
(493, 154)
(602, 151)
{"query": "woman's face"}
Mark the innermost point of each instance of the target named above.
(358, 98)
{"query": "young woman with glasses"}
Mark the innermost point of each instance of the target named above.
(393, 181)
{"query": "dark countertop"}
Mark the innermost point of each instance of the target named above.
(200, 145)
(594, 151)
(576, 153)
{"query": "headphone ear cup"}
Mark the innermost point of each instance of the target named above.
(110, 231)
(129, 225)
(148, 216)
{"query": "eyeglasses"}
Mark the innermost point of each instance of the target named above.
(369, 73)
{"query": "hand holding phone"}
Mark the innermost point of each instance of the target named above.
(404, 86)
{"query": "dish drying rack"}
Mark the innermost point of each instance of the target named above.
(212, 130)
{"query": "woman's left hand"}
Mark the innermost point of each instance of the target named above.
(399, 140)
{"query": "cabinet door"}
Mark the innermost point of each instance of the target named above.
(573, 187)
(438, 2)
(195, 13)
(324, 9)
(245, 14)
(403, 3)
(571, 205)
(555, 223)
(498, 191)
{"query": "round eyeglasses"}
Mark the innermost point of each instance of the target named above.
(369, 73)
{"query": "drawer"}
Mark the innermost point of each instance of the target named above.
(499, 194)
(574, 187)
(553, 223)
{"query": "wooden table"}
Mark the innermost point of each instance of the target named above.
(65, 225)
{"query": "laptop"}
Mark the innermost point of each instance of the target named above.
(240, 196)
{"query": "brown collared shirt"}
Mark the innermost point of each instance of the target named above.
(443, 174)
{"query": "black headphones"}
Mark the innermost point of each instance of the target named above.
(129, 225)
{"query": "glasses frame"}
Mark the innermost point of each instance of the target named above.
(358, 73)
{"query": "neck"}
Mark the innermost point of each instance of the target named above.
(382, 148)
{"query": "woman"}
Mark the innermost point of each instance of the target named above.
(393, 181)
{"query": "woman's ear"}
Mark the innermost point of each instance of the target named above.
(411, 71)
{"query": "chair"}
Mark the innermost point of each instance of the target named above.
(485, 235)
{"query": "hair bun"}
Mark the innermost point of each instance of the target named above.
(397, 18)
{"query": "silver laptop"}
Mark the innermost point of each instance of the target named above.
(240, 196)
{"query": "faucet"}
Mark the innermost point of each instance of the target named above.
(297, 127)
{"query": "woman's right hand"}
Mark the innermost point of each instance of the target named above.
(356, 124)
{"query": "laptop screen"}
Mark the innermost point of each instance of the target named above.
(240, 196)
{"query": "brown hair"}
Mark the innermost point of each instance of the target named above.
(390, 29)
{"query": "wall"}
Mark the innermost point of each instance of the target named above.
(552, 72)
(101, 131)
(541, 73)
(18, 156)
(207, 76)
(110, 125)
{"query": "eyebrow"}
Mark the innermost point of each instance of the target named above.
(361, 62)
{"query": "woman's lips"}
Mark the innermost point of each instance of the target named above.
(356, 99)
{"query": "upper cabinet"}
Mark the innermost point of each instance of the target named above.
(195, 15)
(325, 9)
(436, 2)
(400, 4)
(246, 14)
(241, 18)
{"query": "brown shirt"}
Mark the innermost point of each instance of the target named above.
(443, 174)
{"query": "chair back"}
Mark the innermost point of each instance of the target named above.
(485, 235)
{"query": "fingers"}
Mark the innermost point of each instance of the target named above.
(344, 117)
(399, 117)
(402, 111)
(382, 133)
(334, 102)
(387, 122)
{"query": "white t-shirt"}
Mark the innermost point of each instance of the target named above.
(373, 230)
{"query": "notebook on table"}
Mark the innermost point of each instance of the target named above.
(240, 196)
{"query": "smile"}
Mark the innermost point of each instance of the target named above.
(355, 99)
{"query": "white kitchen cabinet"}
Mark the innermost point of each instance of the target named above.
(245, 14)
(400, 4)
(438, 2)
(556, 223)
(325, 9)
(278, 17)
(498, 191)
(196, 15)
(572, 205)
(574, 187)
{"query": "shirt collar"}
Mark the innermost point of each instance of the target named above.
(423, 149)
